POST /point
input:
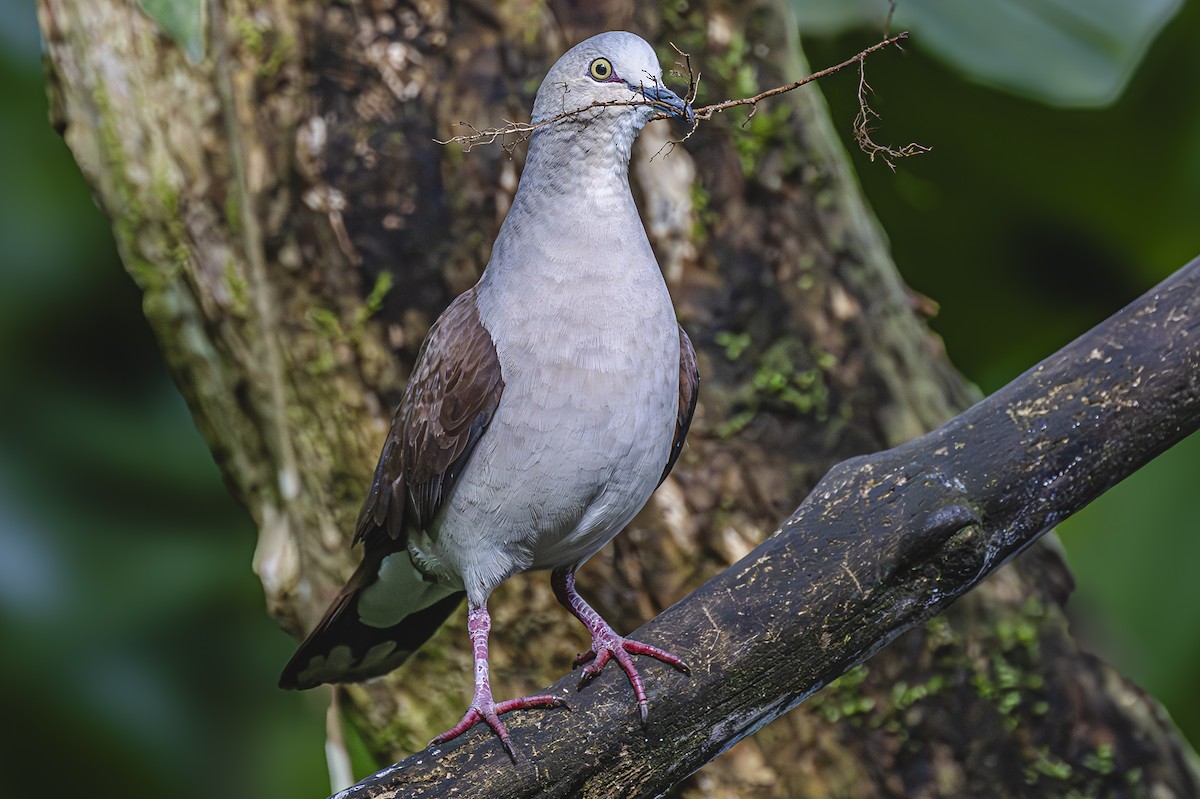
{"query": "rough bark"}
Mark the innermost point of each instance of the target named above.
(884, 542)
(265, 191)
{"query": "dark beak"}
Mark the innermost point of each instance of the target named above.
(668, 101)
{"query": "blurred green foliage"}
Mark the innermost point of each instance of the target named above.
(1030, 224)
(1065, 52)
(136, 647)
(137, 653)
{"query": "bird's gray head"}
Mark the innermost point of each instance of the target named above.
(613, 67)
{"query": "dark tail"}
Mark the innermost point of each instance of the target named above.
(345, 648)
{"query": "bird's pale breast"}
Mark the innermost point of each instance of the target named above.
(580, 438)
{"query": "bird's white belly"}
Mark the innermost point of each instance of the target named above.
(577, 445)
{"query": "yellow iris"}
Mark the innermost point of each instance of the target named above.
(601, 69)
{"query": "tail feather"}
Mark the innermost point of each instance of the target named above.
(344, 647)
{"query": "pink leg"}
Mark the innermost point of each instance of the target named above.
(482, 708)
(606, 644)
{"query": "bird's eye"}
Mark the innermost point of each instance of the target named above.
(601, 69)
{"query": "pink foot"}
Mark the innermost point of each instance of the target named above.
(607, 644)
(483, 708)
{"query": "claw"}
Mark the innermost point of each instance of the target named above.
(483, 708)
(608, 645)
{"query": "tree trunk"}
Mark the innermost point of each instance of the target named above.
(275, 190)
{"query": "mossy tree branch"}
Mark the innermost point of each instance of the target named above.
(882, 543)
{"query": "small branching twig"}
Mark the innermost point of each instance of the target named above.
(862, 128)
(522, 130)
(685, 71)
(708, 111)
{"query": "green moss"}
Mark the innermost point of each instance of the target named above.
(233, 213)
(144, 273)
(239, 290)
(169, 209)
(764, 126)
(942, 632)
(905, 696)
(125, 206)
(759, 133)
(131, 218)
(825, 361)
(1008, 702)
(1010, 679)
(825, 199)
(736, 423)
(110, 144)
(734, 343)
(782, 379)
(166, 194)
(843, 698)
(1020, 631)
(331, 331)
(787, 377)
(1100, 761)
(981, 681)
(732, 73)
(849, 699)
(1046, 765)
(250, 32)
(703, 217)
(328, 324)
(284, 50)
(1007, 676)
(374, 301)
(269, 47)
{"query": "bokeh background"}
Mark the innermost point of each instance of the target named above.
(133, 643)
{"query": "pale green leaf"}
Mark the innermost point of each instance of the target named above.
(1077, 53)
(182, 20)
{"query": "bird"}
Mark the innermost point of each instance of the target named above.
(546, 404)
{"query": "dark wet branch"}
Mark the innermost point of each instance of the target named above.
(883, 542)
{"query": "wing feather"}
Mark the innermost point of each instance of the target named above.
(448, 403)
(689, 390)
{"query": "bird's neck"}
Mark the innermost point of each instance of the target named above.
(573, 230)
(585, 161)
(573, 195)
(572, 256)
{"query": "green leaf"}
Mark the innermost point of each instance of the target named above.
(1059, 52)
(182, 20)
(830, 17)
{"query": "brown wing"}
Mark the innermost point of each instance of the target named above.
(448, 403)
(689, 389)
